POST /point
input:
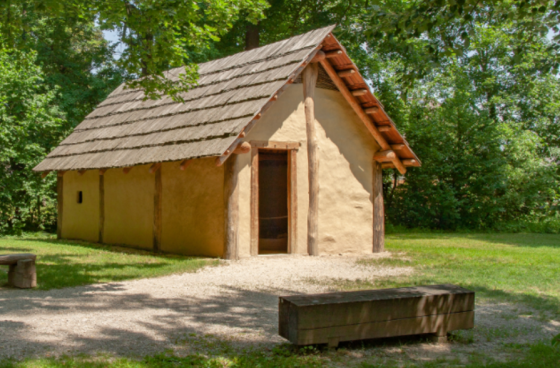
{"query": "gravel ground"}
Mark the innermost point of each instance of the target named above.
(146, 316)
(236, 302)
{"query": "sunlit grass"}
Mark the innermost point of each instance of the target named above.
(64, 264)
(512, 267)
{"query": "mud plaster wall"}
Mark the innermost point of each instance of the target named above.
(345, 171)
(193, 208)
(129, 207)
(81, 220)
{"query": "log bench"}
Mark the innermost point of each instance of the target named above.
(22, 273)
(348, 316)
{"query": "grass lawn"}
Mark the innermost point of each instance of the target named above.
(519, 268)
(65, 263)
(522, 270)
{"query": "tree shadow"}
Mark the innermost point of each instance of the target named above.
(515, 239)
(125, 323)
(55, 271)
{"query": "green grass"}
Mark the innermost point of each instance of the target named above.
(523, 269)
(64, 263)
(519, 268)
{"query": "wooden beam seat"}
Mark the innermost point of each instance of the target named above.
(367, 314)
(22, 273)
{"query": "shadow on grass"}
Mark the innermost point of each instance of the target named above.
(518, 239)
(16, 250)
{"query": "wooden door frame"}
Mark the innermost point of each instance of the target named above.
(291, 148)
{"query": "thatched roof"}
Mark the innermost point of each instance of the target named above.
(125, 131)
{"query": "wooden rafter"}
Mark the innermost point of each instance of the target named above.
(339, 83)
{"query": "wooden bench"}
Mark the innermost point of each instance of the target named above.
(22, 273)
(347, 316)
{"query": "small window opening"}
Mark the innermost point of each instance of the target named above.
(80, 197)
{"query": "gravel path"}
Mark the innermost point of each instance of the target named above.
(237, 301)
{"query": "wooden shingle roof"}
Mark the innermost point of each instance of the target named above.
(231, 94)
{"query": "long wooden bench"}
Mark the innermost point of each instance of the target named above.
(347, 316)
(22, 273)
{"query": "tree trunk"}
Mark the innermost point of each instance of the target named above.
(252, 36)
(309, 80)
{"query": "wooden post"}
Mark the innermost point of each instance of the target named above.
(292, 202)
(101, 205)
(231, 209)
(157, 210)
(255, 201)
(378, 209)
(309, 80)
(60, 204)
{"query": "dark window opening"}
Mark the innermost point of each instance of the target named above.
(80, 197)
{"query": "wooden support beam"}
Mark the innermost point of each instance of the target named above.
(126, 170)
(81, 172)
(44, 174)
(397, 147)
(346, 73)
(292, 201)
(101, 205)
(384, 128)
(319, 56)
(355, 105)
(399, 165)
(387, 165)
(231, 209)
(155, 167)
(384, 156)
(378, 209)
(102, 171)
(184, 164)
(244, 147)
(257, 117)
(310, 75)
(158, 194)
(333, 54)
(255, 201)
(409, 162)
(372, 110)
(359, 92)
(60, 173)
(60, 203)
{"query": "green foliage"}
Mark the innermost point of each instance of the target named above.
(31, 125)
(69, 264)
(488, 155)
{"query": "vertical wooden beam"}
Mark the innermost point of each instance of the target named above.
(157, 211)
(378, 209)
(309, 81)
(254, 201)
(101, 205)
(60, 204)
(231, 209)
(292, 203)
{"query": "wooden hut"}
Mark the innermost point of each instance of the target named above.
(279, 149)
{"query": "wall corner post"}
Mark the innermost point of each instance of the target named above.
(310, 74)
(231, 209)
(378, 209)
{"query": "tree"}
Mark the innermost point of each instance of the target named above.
(31, 125)
(156, 33)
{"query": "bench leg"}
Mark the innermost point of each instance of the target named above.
(333, 342)
(23, 275)
(439, 339)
